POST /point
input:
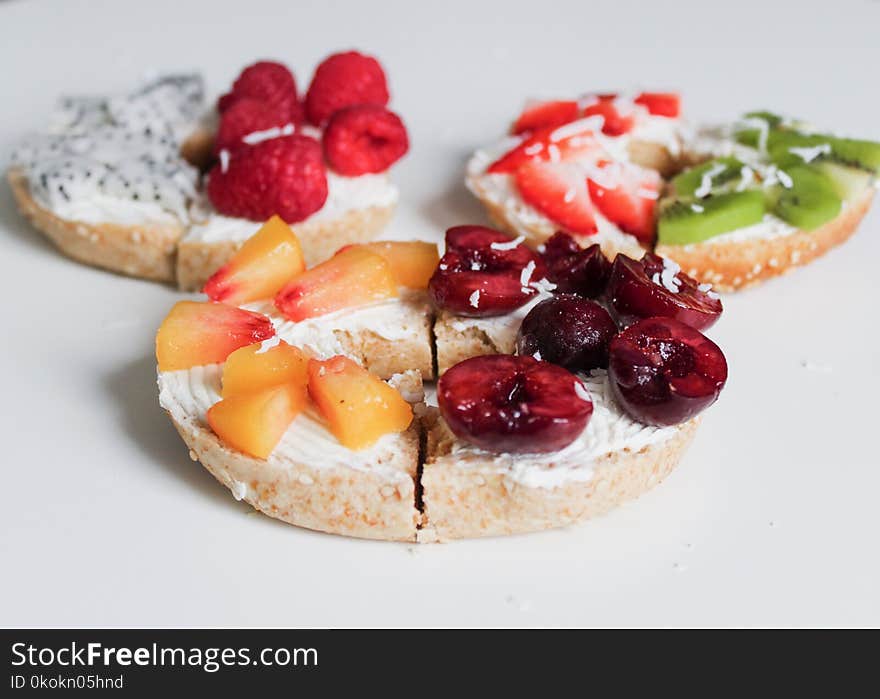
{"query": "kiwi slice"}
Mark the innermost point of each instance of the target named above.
(848, 182)
(749, 136)
(809, 201)
(683, 222)
(862, 154)
(721, 170)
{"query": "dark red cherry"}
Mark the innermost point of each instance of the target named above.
(484, 273)
(663, 372)
(567, 330)
(576, 270)
(656, 286)
(505, 403)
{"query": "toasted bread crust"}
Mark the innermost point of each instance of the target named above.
(454, 345)
(336, 500)
(160, 252)
(198, 260)
(730, 266)
(465, 498)
(146, 251)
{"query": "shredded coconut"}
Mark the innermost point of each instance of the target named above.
(516, 242)
(260, 136)
(474, 299)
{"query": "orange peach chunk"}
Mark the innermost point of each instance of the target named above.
(196, 333)
(353, 277)
(358, 406)
(255, 422)
(412, 261)
(250, 369)
(266, 261)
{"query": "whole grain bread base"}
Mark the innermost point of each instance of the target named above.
(145, 251)
(464, 498)
(336, 500)
(319, 239)
(730, 266)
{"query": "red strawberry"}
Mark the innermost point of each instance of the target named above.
(344, 80)
(546, 145)
(631, 203)
(245, 116)
(616, 123)
(365, 138)
(559, 192)
(666, 104)
(541, 114)
(283, 176)
(268, 82)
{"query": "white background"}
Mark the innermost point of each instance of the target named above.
(771, 519)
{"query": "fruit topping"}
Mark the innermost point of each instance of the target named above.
(559, 191)
(345, 80)
(567, 330)
(712, 177)
(248, 116)
(364, 139)
(627, 196)
(353, 277)
(549, 144)
(663, 372)
(258, 367)
(359, 407)
(268, 82)
(804, 197)
(666, 104)
(255, 422)
(195, 333)
(573, 269)
(283, 176)
(515, 404)
(656, 286)
(265, 262)
(484, 273)
(681, 222)
(539, 115)
(412, 261)
(618, 118)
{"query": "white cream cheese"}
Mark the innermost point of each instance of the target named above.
(188, 394)
(344, 194)
(609, 430)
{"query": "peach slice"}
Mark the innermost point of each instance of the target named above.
(266, 261)
(255, 422)
(196, 332)
(359, 407)
(412, 261)
(353, 277)
(250, 369)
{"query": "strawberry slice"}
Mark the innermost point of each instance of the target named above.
(559, 192)
(538, 115)
(627, 196)
(616, 124)
(666, 104)
(551, 143)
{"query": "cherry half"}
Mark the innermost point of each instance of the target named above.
(505, 403)
(653, 287)
(663, 372)
(576, 270)
(484, 273)
(567, 330)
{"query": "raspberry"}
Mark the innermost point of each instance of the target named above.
(245, 116)
(364, 139)
(344, 80)
(283, 176)
(268, 82)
